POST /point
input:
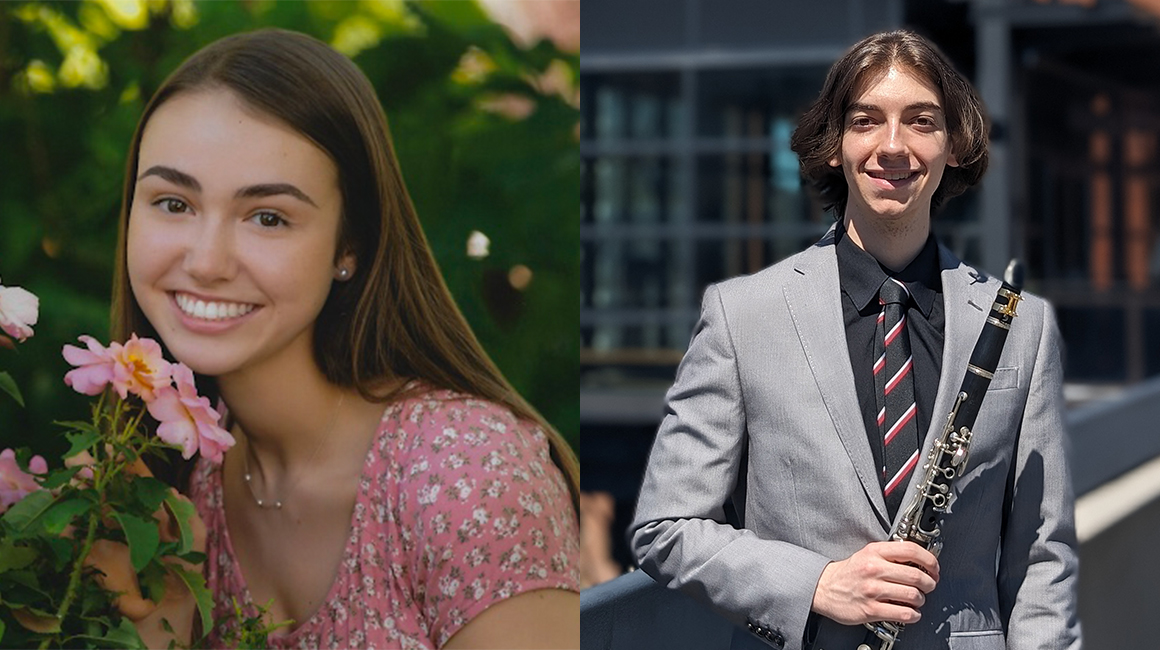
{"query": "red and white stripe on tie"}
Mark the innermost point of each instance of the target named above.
(896, 480)
(894, 379)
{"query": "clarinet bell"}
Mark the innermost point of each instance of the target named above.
(1014, 274)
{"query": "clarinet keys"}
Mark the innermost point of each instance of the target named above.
(962, 440)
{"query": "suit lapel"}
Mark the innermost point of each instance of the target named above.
(966, 301)
(814, 303)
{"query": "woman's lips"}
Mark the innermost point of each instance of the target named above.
(210, 316)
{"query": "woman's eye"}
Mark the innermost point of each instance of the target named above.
(172, 206)
(269, 220)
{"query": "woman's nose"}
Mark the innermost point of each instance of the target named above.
(209, 255)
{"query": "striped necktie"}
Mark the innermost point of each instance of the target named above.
(894, 380)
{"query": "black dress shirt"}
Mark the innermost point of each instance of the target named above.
(860, 276)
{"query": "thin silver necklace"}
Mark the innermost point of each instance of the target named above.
(276, 504)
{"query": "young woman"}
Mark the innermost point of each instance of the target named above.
(388, 488)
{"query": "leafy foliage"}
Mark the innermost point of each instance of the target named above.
(51, 588)
(485, 145)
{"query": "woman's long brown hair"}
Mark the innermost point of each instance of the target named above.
(395, 318)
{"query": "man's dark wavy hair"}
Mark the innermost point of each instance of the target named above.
(818, 137)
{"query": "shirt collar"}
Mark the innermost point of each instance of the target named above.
(860, 275)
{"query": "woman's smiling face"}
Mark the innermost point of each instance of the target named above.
(232, 233)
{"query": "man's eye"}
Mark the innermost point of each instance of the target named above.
(172, 206)
(269, 220)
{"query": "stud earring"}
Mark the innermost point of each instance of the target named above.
(343, 273)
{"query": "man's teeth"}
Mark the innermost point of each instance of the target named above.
(893, 176)
(212, 310)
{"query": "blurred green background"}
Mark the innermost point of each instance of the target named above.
(485, 124)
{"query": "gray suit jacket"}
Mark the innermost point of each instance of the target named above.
(764, 411)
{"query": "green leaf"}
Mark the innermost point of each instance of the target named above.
(183, 512)
(62, 551)
(59, 516)
(25, 517)
(152, 581)
(123, 636)
(8, 385)
(26, 579)
(15, 557)
(142, 536)
(193, 557)
(76, 425)
(1, 630)
(37, 620)
(82, 438)
(149, 492)
(196, 584)
(59, 477)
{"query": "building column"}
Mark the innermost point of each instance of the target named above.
(993, 80)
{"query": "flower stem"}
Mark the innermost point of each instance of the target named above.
(74, 581)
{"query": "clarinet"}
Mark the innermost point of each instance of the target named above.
(947, 460)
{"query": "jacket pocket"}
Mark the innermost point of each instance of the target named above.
(1005, 378)
(978, 640)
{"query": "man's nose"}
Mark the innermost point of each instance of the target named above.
(893, 142)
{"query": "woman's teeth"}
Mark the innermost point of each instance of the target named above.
(212, 310)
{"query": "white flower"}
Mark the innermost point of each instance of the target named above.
(448, 585)
(477, 245)
(427, 494)
(19, 310)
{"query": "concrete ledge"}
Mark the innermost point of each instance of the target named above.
(633, 612)
(1104, 507)
(1110, 438)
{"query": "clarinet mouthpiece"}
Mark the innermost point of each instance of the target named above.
(1014, 274)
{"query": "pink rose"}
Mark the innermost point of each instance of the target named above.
(94, 366)
(187, 419)
(140, 368)
(15, 484)
(136, 367)
(18, 312)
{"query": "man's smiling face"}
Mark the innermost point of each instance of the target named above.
(895, 146)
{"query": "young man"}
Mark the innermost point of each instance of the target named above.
(782, 405)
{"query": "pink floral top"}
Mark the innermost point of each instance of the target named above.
(459, 507)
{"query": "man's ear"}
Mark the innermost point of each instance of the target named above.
(952, 160)
(837, 162)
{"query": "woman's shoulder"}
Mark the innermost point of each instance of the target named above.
(440, 418)
(444, 451)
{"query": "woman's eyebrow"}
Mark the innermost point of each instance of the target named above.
(173, 176)
(272, 189)
(251, 191)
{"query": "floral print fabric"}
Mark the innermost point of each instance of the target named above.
(459, 507)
